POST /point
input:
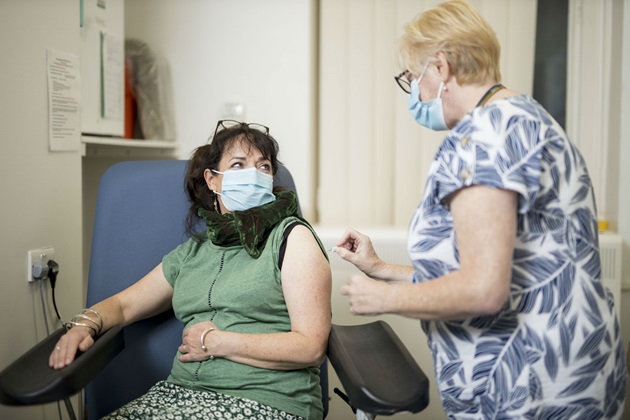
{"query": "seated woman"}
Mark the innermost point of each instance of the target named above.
(253, 292)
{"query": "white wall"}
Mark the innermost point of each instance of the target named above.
(254, 52)
(41, 190)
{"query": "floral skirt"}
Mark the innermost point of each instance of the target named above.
(169, 401)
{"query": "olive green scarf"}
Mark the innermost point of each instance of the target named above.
(249, 228)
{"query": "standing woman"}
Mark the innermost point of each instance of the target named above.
(506, 273)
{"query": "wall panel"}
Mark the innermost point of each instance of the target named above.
(373, 157)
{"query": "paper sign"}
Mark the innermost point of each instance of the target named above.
(64, 98)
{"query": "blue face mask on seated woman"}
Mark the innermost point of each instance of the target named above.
(430, 113)
(243, 189)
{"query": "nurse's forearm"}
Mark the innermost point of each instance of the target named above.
(394, 273)
(448, 297)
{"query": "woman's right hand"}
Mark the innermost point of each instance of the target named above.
(76, 339)
(357, 249)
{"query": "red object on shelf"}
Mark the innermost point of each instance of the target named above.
(130, 101)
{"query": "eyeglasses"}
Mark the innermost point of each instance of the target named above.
(402, 81)
(223, 124)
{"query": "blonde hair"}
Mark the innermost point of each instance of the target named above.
(456, 29)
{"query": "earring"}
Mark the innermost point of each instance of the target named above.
(216, 203)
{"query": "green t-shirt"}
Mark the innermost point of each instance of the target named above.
(238, 293)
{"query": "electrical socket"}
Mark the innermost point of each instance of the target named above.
(40, 255)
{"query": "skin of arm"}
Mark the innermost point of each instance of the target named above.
(149, 296)
(356, 248)
(485, 226)
(306, 283)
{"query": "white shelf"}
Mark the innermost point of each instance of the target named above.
(113, 146)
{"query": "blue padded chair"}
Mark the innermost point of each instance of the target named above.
(140, 213)
(139, 218)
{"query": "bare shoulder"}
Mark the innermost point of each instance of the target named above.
(302, 241)
(301, 232)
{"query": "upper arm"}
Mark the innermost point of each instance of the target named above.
(485, 220)
(147, 297)
(306, 283)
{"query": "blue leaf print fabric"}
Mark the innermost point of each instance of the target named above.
(554, 351)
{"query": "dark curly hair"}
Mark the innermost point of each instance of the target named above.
(209, 155)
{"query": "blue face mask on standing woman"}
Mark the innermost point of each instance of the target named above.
(430, 113)
(243, 189)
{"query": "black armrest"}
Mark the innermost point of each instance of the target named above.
(29, 380)
(376, 370)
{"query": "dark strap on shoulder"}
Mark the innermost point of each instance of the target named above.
(283, 244)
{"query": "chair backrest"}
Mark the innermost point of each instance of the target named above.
(140, 214)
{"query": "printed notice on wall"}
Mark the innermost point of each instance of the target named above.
(64, 99)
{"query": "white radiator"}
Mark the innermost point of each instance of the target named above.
(391, 246)
(610, 248)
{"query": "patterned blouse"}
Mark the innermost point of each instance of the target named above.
(554, 350)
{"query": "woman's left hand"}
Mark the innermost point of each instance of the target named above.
(365, 296)
(191, 348)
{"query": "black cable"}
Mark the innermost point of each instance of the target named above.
(53, 270)
(55, 304)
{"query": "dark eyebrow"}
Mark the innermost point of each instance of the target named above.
(242, 158)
